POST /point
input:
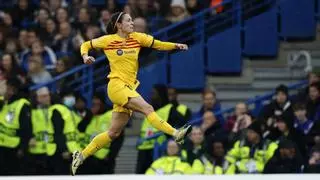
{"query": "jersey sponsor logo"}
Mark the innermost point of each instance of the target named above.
(130, 52)
(119, 52)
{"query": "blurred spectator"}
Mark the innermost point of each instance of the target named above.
(38, 49)
(7, 25)
(284, 131)
(39, 149)
(62, 66)
(313, 165)
(62, 15)
(2, 42)
(17, 131)
(50, 33)
(214, 162)
(140, 25)
(23, 40)
(287, 159)
(239, 129)
(105, 16)
(280, 107)
(26, 41)
(251, 154)
(193, 6)
(163, 6)
(10, 69)
(313, 77)
(210, 103)
(240, 110)
(194, 148)
(305, 126)
(112, 6)
(178, 11)
(41, 20)
(83, 20)
(170, 163)
(63, 42)
(37, 71)
(21, 13)
(313, 101)
(131, 8)
(211, 126)
(54, 5)
(12, 47)
(145, 8)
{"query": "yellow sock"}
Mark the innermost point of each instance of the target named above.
(96, 144)
(160, 124)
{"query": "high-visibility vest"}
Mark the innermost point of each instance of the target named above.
(240, 156)
(70, 127)
(148, 130)
(169, 165)
(43, 132)
(97, 125)
(9, 123)
(204, 166)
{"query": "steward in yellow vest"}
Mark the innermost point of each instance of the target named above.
(15, 130)
(253, 153)
(213, 162)
(169, 164)
(103, 161)
(175, 114)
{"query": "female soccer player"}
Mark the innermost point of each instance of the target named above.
(122, 46)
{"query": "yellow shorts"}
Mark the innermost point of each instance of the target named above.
(119, 93)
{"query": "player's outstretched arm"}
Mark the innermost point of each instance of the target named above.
(84, 49)
(166, 46)
(99, 43)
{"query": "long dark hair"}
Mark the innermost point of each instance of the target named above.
(112, 25)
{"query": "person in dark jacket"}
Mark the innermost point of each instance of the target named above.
(211, 126)
(313, 165)
(280, 107)
(313, 102)
(284, 131)
(286, 159)
(305, 125)
(313, 77)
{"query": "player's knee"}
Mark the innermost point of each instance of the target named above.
(114, 134)
(148, 109)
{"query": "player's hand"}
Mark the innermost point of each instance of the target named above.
(88, 59)
(182, 46)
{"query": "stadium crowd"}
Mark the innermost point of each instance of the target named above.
(39, 130)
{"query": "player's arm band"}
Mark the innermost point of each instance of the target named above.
(152, 43)
(91, 44)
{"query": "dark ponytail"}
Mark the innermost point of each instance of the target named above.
(112, 25)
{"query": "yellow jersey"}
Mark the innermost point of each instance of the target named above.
(122, 53)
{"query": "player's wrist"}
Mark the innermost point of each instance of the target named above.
(84, 56)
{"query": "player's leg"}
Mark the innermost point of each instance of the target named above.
(140, 105)
(119, 121)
